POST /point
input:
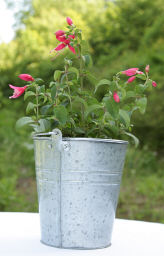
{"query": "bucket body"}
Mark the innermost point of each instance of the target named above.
(78, 182)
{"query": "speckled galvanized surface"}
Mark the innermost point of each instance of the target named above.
(78, 183)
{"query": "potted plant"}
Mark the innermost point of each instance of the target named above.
(78, 176)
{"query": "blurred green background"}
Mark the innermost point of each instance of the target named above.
(121, 34)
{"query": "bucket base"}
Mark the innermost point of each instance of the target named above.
(76, 248)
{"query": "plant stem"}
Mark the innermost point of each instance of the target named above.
(81, 68)
(67, 82)
(69, 92)
(147, 78)
(37, 103)
(81, 78)
(81, 72)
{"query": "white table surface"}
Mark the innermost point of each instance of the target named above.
(20, 235)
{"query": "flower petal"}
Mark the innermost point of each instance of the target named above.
(72, 49)
(69, 21)
(59, 33)
(18, 91)
(140, 72)
(147, 69)
(116, 97)
(130, 71)
(26, 77)
(12, 86)
(61, 38)
(60, 47)
(131, 79)
(72, 36)
(154, 84)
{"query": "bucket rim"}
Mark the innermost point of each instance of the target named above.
(44, 136)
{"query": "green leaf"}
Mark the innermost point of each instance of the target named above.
(102, 82)
(53, 92)
(149, 83)
(112, 107)
(130, 94)
(68, 62)
(140, 88)
(45, 109)
(124, 117)
(52, 83)
(141, 76)
(42, 89)
(112, 128)
(87, 60)
(61, 114)
(79, 130)
(91, 78)
(80, 100)
(123, 93)
(24, 121)
(30, 107)
(74, 70)
(92, 108)
(57, 75)
(72, 122)
(44, 125)
(142, 103)
(39, 80)
(28, 94)
(135, 139)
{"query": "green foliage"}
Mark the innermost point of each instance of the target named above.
(141, 103)
(66, 105)
(141, 195)
(61, 114)
(102, 82)
(24, 121)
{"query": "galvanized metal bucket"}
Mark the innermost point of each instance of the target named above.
(78, 182)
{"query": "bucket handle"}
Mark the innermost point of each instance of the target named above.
(57, 141)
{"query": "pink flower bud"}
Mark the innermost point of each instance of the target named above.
(69, 21)
(147, 69)
(18, 91)
(140, 72)
(59, 33)
(130, 71)
(26, 77)
(116, 97)
(131, 79)
(154, 84)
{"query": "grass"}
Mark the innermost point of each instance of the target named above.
(141, 194)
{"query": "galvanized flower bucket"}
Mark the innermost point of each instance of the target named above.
(78, 181)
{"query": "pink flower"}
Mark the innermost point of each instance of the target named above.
(61, 37)
(18, 91)
(26, 77)
(154, 84)
(140, 72)
(130, 71)
(131, 79)
(59, 33)
(116, 97)
(147, 69)
(69, 21)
